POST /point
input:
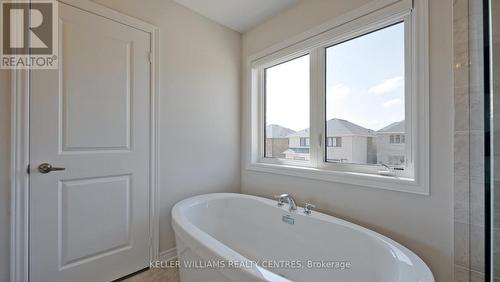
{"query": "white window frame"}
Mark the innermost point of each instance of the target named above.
(371, 17)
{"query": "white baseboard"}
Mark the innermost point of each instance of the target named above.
(168, 255)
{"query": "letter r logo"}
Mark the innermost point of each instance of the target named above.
(17, 20)
(28, 27)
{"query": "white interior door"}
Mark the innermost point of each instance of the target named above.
(90, 222)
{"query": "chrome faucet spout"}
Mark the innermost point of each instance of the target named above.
(287, 198)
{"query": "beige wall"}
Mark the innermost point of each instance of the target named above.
(199, 109)
(4, 174)
(199, 104)
(423, 223)
(200, 66)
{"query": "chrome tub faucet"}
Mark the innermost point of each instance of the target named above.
(287, 198)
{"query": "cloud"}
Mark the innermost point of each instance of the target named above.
(339, 91)
(387, 85)
(392, 102)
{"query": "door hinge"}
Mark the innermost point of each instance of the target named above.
(28, 169)
(150, 57)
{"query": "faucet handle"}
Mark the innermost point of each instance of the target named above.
(308, 208)
(280, 199)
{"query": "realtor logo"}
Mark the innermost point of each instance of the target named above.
(28, 34)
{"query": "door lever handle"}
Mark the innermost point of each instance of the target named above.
(46, 168)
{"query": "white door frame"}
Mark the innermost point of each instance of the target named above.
(20, 136)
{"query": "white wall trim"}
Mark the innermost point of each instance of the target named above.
(111, 14)
(399, 184)
(154, 146)
(19, 251)
(168, 255)
(19, 208)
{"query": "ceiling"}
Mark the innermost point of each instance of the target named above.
(239, 15)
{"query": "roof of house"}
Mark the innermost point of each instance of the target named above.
(341, 127)
(394, 127)
(338, 127)
(302, 133)
(277, 131)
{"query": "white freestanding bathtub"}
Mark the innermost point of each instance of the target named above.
(236, 237)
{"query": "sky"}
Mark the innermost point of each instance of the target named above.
(364, 83)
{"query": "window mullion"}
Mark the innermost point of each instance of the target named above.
(410, 92)
(317, 108)
(261, 119)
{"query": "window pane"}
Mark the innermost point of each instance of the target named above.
(287, 110)
(365, 98)
(338, 142)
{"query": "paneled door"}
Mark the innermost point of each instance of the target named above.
(89, 150)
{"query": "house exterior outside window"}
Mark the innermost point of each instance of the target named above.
(391, 144)
(276, 141)
(298, 146)
(351, 143)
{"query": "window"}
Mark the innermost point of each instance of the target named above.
(368, 68)
(287, 109)
(304, 142)
(397, 139)
(341, 104)
(334, 142)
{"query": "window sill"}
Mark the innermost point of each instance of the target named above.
(400, 184)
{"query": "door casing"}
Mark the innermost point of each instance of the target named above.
(20, 155)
